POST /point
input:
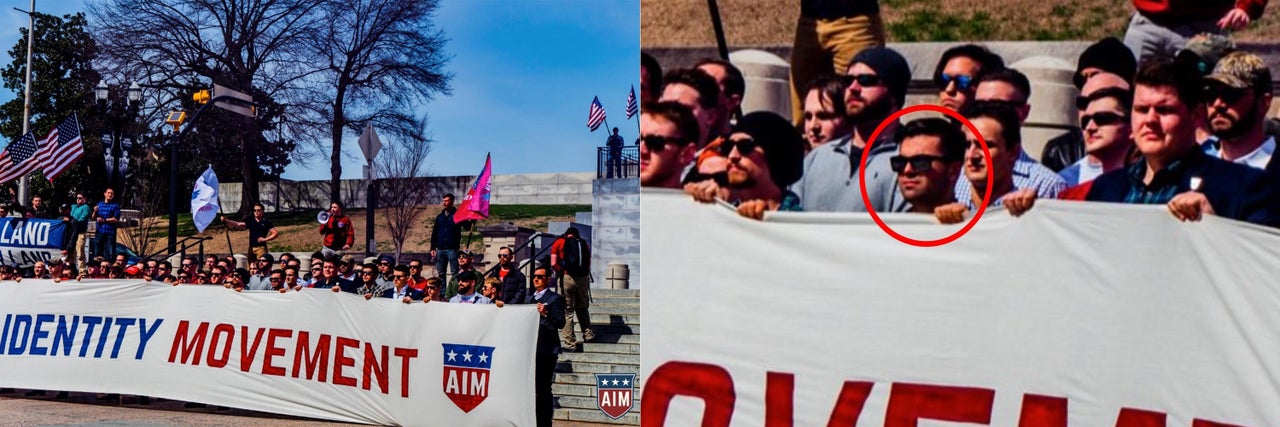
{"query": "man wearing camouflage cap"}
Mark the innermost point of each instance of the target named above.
(1237, 100)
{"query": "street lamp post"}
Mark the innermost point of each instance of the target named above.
(117, 118)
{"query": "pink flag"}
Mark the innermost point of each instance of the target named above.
(476, 204)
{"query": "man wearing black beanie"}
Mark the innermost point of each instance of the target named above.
(876, 88)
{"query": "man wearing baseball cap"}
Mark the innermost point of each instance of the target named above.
(876, 85)
(1236, 104)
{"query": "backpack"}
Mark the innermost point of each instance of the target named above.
(575, 257)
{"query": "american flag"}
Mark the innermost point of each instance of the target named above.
(19, 158)
(62, 147)
(596, 116)
(632, 107)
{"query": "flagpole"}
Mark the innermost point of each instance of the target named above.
(26, 103)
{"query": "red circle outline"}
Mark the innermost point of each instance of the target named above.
(862, 178)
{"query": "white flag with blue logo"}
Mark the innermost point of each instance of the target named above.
(204, 199)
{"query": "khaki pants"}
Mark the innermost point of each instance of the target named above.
(77, 252)
(577, 299)
(825, 46)
(256, 252)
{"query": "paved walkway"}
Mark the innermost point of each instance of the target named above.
(84, 409)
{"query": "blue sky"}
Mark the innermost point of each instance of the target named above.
(524, 75)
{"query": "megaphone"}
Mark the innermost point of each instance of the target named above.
(322, 217)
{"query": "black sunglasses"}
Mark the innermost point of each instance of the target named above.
(744, 146)
(539, 276)
(1226, 93)
(277, 279)
(659, 143)
(1101, 118)
(919, 163)
(942, 80)
(864, 80)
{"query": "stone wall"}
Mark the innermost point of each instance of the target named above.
(534, 189)
(615, 228)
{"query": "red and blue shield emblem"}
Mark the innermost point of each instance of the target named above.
(466, 374)
(614, 393)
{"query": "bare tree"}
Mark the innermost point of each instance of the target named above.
(400, 191)
(378, 59)
(148, 182)
(256, 47)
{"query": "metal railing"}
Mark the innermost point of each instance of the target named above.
(622, 162)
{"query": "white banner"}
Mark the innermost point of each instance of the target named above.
(1075, 314)
(311, 353)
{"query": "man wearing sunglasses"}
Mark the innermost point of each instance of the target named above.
(957, 71)
(465, 263)
(1239, 96)
(1107, 134)
(752, 167)
(513, 281)
(732, 87)
(930, 152)
(551, 312)
(1167, 108)
(400, 290)
(261, 231)
(876, 87)
(668, 139)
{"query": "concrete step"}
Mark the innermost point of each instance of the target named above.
(593, 347)
(606, 338)
(596, 299)
(573, 390)
(564, 366)
(588, 402)
(588, 380)
(608, 328)
(621, 310)
(614, 319)
(606, 358)
(614, 293)
(595, 415)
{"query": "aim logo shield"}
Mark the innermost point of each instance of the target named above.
(614, 393)
(466, 374)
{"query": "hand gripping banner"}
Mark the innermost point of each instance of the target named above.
(1076, 314)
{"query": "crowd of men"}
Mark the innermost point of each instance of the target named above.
(1182, 121)
(455, 278)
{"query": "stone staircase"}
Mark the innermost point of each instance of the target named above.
(615, 314)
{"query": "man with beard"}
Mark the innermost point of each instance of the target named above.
(999, 126)
(464, 265)
(760, 158)
(1167, 106)
(1239, 96)
(513, 281)
(876, 87)
(930, 152)
(467, 290)
(668, 139)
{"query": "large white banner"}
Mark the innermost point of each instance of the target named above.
(311, 353)
(1075, 314)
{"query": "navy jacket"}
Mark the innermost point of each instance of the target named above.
(445, 234)
(413, 294)
(513, 286)
(1235, 191)
(549, 325)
